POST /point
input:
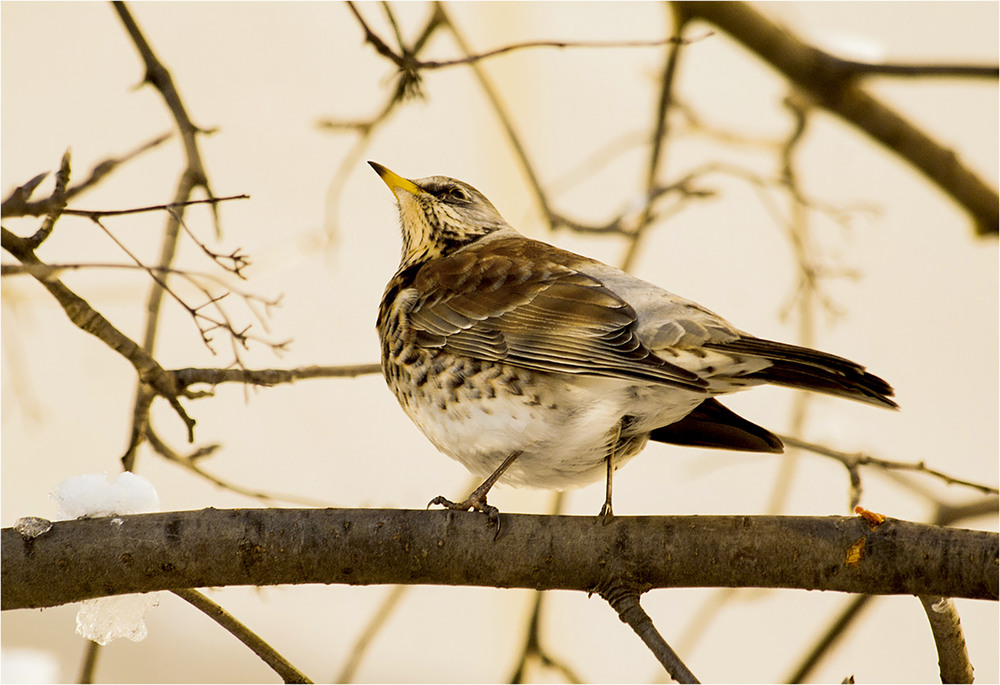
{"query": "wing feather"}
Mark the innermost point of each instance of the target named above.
(536, 313)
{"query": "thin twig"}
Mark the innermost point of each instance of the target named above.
(798, 231)
(853, 460)
(824, 79)
(205, 323)
(90, 320)
(916, 70)
(57, 206)
(257, 645)
(91, 651)
(270, 377)
(377, 622)
(192, 177)
(829, 639)
(190, 462)
(469, 59)
(18, 204)
(367, 128)
(159, 77)
(500, 107)
(170, 207)
(533, 649)
(624, 599)
(659, 137)
(405, 59)
(946, 627)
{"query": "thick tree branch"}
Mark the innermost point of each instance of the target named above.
(76, 560)
(834, 85)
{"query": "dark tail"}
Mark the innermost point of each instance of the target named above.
(712, 425)
(801, 367)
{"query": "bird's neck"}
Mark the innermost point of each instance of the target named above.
(420, 248)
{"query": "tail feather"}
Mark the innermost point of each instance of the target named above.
(807, 369)
(713, 425)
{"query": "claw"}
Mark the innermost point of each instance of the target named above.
(474, 503)
(477, 500)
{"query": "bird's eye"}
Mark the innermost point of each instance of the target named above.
(458, 194)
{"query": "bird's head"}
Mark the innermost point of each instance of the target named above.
(439, 214)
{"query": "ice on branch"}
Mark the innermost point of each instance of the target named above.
(109, 618)
(92, 495)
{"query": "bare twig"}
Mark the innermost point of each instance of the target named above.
(269, 377)
(192, 177)
(829, 639)
(170, 207)
(205, 323)
(503, 115)
(91, 651)
(833, 85)
(659, 137)
(469, 59)
(257, 645)
(406, 60)
(18, 203)
(853, 460)
(533, 649)
(409, 82)
(806, 295)
(377, 622)
(139, 429)
(366, 129)
(947, 514)
(90, 320)
(191, 463)
(946, 627)
(159, 77)
(987, 71)
(624, 599)
(57, 203)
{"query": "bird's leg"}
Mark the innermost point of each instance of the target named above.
(606, 512)
(477, 500)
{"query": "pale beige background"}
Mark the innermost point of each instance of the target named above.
(923, 312)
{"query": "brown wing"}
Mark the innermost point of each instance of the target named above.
(490, 303)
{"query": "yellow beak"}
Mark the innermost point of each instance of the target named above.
(394, 180)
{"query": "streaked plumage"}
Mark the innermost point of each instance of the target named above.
(494, 344)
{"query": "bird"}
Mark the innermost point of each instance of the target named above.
(532, 365)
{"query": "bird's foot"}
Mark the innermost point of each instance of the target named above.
(476, 502)
(606, 513)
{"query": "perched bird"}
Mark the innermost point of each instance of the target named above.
(537, 366)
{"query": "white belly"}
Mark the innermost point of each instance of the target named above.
(564, 429)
